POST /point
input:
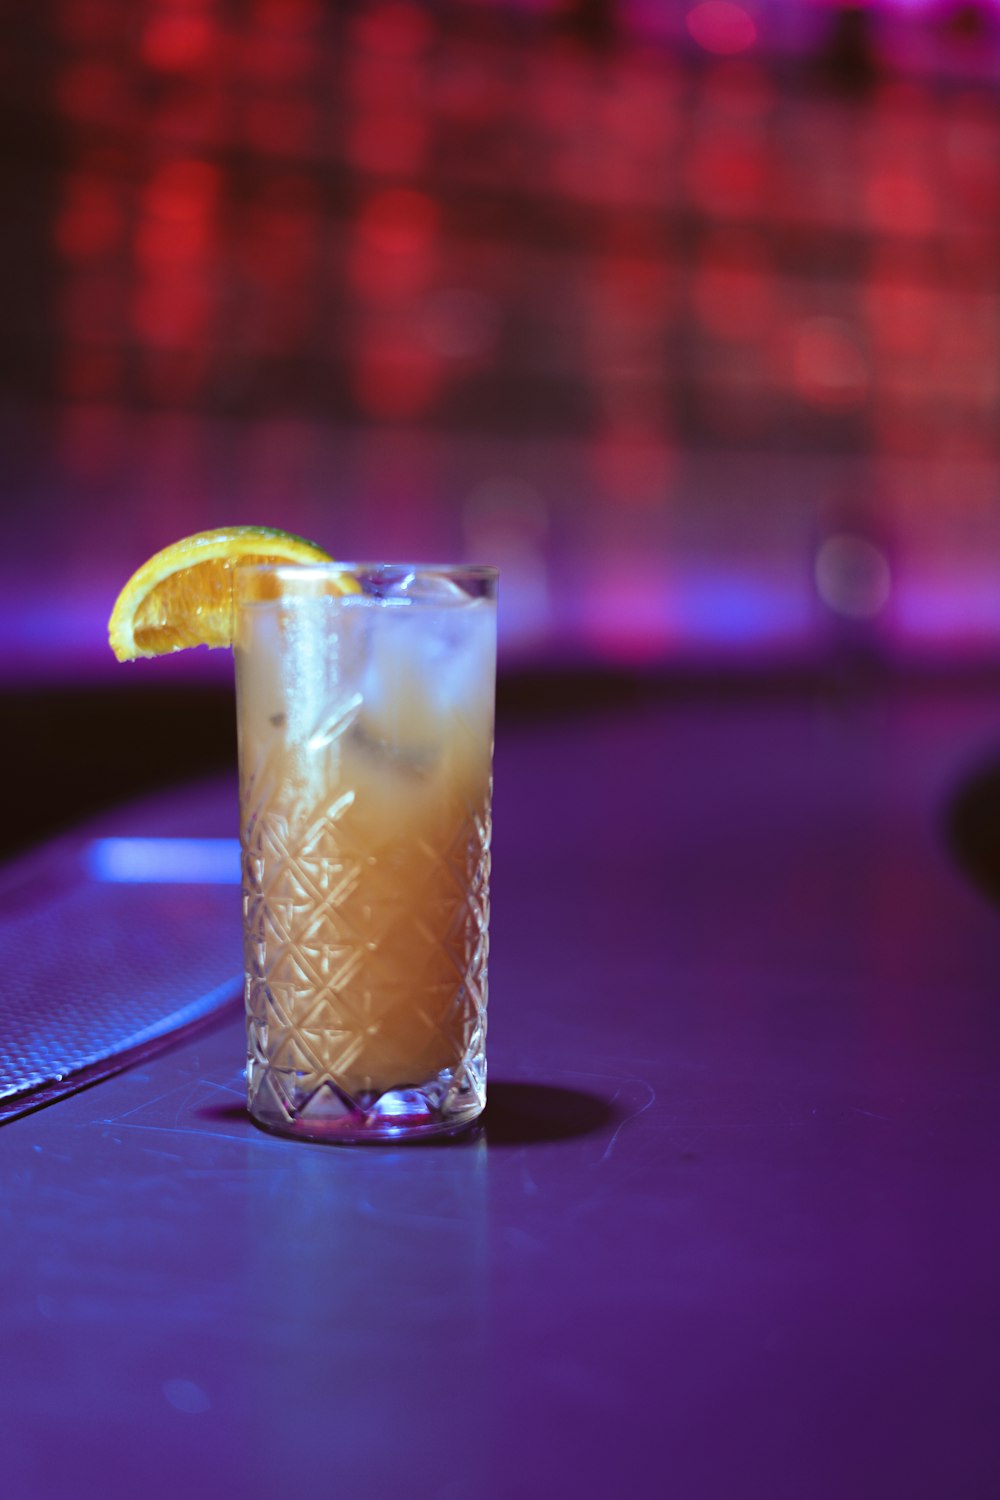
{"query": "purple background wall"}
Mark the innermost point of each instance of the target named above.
(687, 316)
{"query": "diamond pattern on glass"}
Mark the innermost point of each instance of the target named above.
(366, 957)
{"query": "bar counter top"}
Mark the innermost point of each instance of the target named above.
(730, 1226)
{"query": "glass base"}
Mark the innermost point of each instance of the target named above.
(441, 1107)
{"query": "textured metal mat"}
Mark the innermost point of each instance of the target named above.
(100, 968)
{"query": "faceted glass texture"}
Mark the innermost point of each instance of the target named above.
(366, 731)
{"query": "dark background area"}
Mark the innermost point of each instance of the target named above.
(686, 316)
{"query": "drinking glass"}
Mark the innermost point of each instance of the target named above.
(365, 708)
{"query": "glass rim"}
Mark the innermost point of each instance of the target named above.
(484, 571)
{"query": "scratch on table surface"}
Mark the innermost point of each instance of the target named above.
(184, 1103)
(405, 1218)
(143, 1104)
(633, 1115)
(228, 1088)
(186, 1131)
(186, 1091)
(166, 1155)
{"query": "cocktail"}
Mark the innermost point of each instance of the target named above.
(365, 714)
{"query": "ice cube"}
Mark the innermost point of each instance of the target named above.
(464, 674)
(421, 587)
(428, 668)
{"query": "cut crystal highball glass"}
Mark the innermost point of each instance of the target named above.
(365, 699)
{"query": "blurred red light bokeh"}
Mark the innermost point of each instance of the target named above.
(721, 27)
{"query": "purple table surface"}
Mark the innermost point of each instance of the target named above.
(731, 1228)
